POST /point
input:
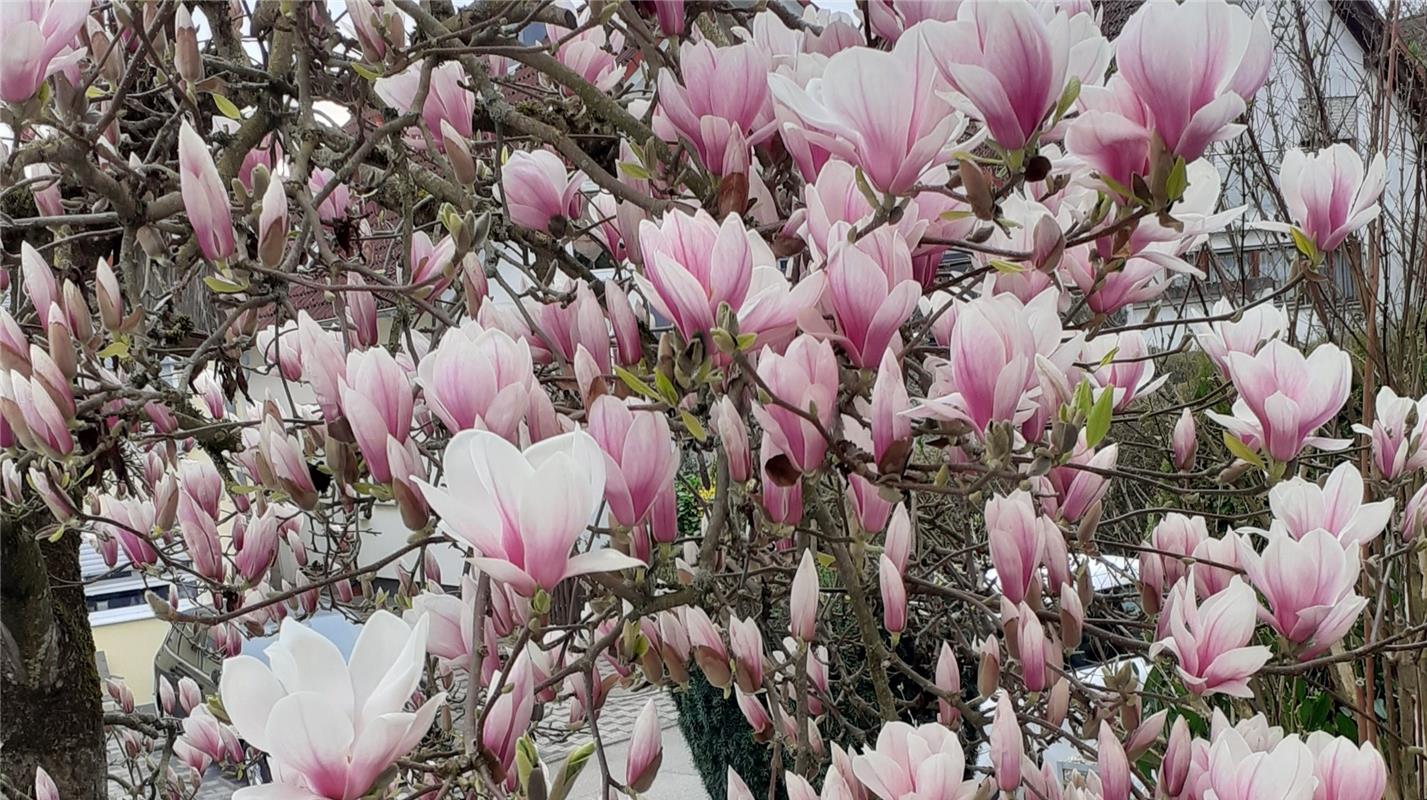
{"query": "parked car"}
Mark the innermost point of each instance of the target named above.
(187, 651)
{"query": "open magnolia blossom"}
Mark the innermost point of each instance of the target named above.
(457, 378)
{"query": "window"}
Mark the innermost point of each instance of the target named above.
(1341, 115)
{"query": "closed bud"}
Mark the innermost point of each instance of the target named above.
(77, 312)
(1184, 442)
(1174, 769)
(1072, 616)
(988, 673)
(185, 56)
(474, 282)
(458, 153)
(108, 296)
(61, 342)
(1058, 705)
(977, 188)
(272, 224)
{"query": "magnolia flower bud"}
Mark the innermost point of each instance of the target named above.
(1058, 705)
(988, 674)
(185, 43)
(1184, 442)
(272, 224)
(108, 296)
(948, 680)
(803, 599)
(1072, 616)
(646, 750)
(458, 153)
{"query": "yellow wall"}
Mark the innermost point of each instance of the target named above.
(129, 648)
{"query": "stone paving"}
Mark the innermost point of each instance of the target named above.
(678, 777)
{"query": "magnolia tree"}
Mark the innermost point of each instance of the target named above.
(528, 277)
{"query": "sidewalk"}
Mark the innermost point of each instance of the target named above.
(678, 777)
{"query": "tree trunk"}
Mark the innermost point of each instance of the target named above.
(51, 712)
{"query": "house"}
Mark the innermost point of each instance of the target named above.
(1342, 73)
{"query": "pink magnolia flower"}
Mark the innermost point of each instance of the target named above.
(870, 510)
(204, 197)
(48, 200)
(1300, 506)
(335, 205)
(1080, 484)
(1210, 640)
(805, 378)
(1184, 441)
(45, 788)
(1309, 586)
(376, 22)
(1238, 332)
(324, 366)
(377, 402)
(497, 498)
(360, 702)
(722, 107)
(745, 643)
(446, 101)
(782, 504)
(590, 53)
(284, 456)
(1129, 373)
(733, 437)
(803, 599)
(35, 420)
(891, 18)
(32, 37)
(692, 264)
(1016, 537)
(272, 223)
(1288, 396)
(40, 286)
(259, 546)
(1398, 434)
(132, 524)
(646, 750)
(1175, 538)
(640, 457)
(994, 344)
(1114, 766)
(570, 327)
(429, 263)
(1031, 646)
(281, 347)
(1194, 66)
(200, 537)
(1237, 772)
(890, 426)
(537, 189)
(836, 198)
(878, 110)
(1328, 195)
(1007, 748)
(894, 596)
(1216, 562)
(1414, 515)
(624, 323)
(1346, 771)
(948, 680)
(737, 789)
(872, 292)
(479, 378)
(914, 762)
(1008, 60)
